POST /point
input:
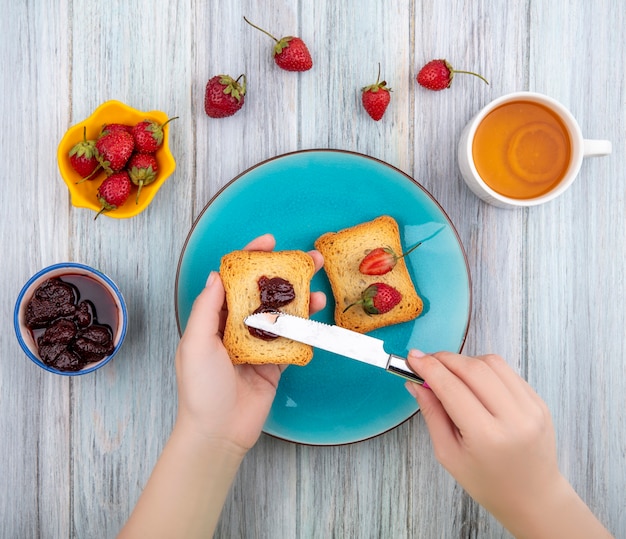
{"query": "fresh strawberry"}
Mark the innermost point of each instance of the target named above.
(114, 191)
(438, 75)
(142, 169)
(114, 150)
(376, 98)
(148, 135)
(378, 298)
(381, 260)
(117, 127)
(83, 156)
(290, 53)
(224, 96)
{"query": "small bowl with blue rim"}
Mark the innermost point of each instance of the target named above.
(70, 319)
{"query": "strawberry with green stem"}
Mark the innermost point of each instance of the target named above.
(290, 53)
(148, 135)
(83, 157)
(113, 191)
(114, 150)
(142, 169)
(382, 260)
(376, 98)
(438, 74)
(224, 96)
(377, 298)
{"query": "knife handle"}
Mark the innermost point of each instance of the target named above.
(398, 365)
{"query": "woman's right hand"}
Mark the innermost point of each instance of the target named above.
(495, 436)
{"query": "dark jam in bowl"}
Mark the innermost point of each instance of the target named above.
(89, 289)
(73, 320)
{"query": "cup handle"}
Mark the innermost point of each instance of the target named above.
(595, 148)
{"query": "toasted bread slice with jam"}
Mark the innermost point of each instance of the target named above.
(241, 272)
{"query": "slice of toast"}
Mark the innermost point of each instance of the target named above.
(343, 252)
(240, 272)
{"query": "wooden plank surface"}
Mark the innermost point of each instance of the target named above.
(548, 282)
(35, 450)
(575, 325)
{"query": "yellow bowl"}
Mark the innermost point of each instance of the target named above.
(84, 195)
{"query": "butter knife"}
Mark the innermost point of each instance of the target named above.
(333, 339)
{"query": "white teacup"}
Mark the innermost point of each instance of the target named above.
(579, 148)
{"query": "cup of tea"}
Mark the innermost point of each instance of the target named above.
(523, 149)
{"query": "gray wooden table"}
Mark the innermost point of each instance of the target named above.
(548, 283)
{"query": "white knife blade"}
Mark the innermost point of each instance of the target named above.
(333, 339)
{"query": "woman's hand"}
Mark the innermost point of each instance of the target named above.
(218, 400)
(221, 411)
(494, 434)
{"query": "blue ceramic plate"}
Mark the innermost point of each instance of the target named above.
(297, 197)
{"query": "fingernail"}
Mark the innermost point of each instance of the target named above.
(211, 278)
(416, 354)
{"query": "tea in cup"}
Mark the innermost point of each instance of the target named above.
(523, 149)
